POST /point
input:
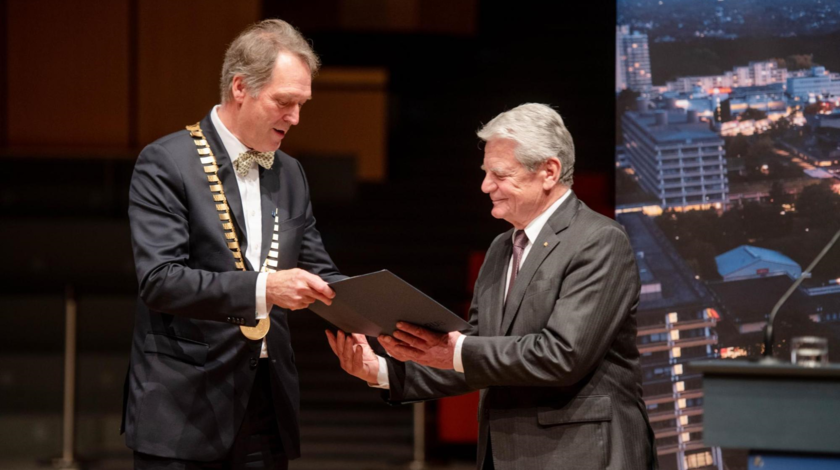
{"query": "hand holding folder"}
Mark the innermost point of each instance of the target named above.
(372, 304)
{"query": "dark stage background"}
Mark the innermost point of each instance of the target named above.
(388, 143)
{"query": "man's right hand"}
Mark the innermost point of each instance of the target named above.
(355, 354)
(296, 289)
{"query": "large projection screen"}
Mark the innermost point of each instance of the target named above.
(728, 183)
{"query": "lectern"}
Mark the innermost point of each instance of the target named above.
(788, 416)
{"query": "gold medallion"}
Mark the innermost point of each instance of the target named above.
(256, 332)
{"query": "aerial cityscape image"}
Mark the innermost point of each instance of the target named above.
(728, 184)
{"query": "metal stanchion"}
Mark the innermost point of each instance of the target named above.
(68, 435)
(419, 461)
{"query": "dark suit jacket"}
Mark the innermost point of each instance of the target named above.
(191, 369)
(557, 365)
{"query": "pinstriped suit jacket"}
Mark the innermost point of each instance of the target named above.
(557, 364)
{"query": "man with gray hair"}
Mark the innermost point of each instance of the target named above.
(225, 245)
(552, 337)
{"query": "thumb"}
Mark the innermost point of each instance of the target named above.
(360, 339)
(318, 284)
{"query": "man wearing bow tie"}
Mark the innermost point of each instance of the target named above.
(552, 343)
(224, 237)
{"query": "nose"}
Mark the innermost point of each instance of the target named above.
(487, 186)
(293, 116)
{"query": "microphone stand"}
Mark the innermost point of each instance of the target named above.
(768, 332)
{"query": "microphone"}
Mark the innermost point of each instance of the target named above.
(768, 331)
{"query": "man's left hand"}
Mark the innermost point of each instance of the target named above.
(414, 343)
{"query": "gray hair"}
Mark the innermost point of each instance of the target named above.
(539, 133)
(254, 52)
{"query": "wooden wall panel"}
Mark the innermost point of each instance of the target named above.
(453, 17)
(88, 78)
(448, 17)
(380, 15)
(346, 116)
(67, 73)
(181, 46)
(4, 74)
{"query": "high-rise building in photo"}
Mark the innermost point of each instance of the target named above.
(677, 157)
(632, 60)
(677, 322)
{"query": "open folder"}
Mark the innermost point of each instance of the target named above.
(372, 304)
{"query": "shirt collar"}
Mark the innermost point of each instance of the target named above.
(533, 229)
(233, 146)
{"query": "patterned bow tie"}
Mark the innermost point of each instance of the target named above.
(242, 165)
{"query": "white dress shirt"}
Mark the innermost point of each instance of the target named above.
(532, 230)
(249, 192)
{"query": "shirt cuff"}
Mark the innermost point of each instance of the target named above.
(262, 308)
(382, 375)
(456, 359)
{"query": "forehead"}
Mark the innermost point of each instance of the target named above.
(290, 76)
(500, 152)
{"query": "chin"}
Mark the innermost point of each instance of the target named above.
(272, 147)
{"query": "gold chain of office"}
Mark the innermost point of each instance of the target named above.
(208, 161)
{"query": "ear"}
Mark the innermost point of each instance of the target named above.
(551, 168)
(237, 89)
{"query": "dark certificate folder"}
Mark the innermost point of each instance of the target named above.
(372, 304)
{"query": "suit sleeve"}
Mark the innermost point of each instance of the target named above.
(160, 235)
(313, 255)
(598, 291)
(411, 382)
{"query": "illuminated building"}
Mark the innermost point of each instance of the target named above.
(821, 150)
(749, 262)
(769, 98)
(632, 60)
(816, 84)
(823, 120)
(747, 303)
(755, 74)
(677, 158)
(765, 73)
(676, 322)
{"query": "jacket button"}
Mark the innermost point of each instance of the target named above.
(254, 362)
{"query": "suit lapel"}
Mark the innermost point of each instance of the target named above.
(269, 189)
(228, 179)
(497, 290)
(546, 241)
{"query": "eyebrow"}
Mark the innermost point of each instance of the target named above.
(496, 170)
(284, 97)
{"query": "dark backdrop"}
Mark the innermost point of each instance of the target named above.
(63, 221)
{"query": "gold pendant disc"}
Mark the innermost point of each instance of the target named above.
(256, 332)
